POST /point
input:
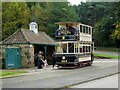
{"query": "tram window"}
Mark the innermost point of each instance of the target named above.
(89, 49)
(70, 47)
(67, 37)
(83, 48)
(64, 47)
(87, 30)
(83, 29)
(80, 28)
(91, 30)
(58, 38)
(59, 49)
(76, 48)
(86, 49)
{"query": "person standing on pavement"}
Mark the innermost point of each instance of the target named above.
(92, 57)
(39, 60)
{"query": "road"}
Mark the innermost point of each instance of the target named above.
(106, 82)
(57, 78)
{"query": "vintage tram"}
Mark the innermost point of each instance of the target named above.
(74, 46)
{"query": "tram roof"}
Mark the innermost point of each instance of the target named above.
(73, 23)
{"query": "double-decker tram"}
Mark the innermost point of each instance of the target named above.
(74, 46)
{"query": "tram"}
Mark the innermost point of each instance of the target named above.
(74, 46)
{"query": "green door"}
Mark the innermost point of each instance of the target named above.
(13, 57)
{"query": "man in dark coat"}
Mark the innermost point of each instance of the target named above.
(39, 60)
(92, 57)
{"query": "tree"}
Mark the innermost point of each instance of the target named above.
(102, 16)
(116, 34)
(13, 17)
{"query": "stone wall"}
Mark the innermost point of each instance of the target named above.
(27, 55)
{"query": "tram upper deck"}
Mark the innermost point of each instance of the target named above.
(73, 31)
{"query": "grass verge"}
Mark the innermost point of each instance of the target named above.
(107, 56)
(108, 49)
(10, 73)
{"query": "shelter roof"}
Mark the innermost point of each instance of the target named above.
(23, 36)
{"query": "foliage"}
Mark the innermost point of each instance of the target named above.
(18, 15)
(103, 16)
(116, 34)
(103, 30)
(13, 17)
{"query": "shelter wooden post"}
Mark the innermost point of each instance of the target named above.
(45, 52)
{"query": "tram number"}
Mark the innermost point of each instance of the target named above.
(63, 61)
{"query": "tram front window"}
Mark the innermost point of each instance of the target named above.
(64, 47)
(70, 47)
(61, 48)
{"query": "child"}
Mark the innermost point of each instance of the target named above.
(45, 64)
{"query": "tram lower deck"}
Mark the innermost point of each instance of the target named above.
(74, 60)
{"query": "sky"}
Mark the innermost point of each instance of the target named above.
(76, 2)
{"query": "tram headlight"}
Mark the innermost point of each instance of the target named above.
(63, 57)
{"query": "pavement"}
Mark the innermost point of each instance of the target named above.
(110, 82)
(58, 78)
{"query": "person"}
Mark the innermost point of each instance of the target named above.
(45, 64)
(92, 57)
(54, 60)
(42, 60)
(39, 60)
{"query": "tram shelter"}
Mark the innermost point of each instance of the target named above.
(30, 44)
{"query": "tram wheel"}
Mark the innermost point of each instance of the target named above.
(89, 63)
(58, 67)
(81, 65)
(75, 66)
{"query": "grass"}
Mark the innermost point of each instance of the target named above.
(9, 73)
(112, 49)
(107, 56)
